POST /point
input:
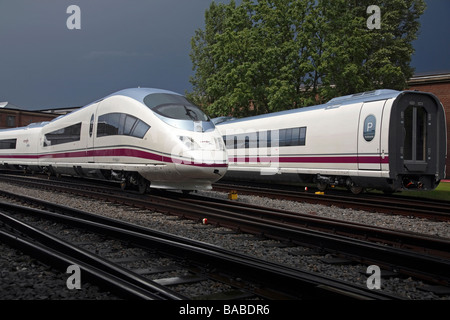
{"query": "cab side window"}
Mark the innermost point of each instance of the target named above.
(111, 124)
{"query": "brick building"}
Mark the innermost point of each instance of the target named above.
(439, 85)
(12, 116)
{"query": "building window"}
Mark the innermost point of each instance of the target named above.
(65, 135)
(10, 121)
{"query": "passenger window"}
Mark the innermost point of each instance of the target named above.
(282, 137)
(295, 136)
(302, 138)
(65, 135)
(8, 144)
(263, 139)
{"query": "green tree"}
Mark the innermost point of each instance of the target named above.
(389, 58)
(279, 54)
(357, 59)
(201, 54)
(284, 32)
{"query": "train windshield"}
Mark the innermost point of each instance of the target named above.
(179, 112)
(174, 107)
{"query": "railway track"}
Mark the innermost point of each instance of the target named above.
(423, 208)
(209, 263)
(251, 218)
(430, 262)
(62, 254)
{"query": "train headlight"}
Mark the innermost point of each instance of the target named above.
(219, 144)
(189, 143)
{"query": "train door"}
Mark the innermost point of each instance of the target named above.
(417, 124)
(91, 136)
(418, 140)
(369, 136)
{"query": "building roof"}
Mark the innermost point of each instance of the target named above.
(7, 105)
(427, 78)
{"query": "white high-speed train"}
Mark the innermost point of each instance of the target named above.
(383, 139)
(141, 136)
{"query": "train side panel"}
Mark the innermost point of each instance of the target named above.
(63, 143)
(18, 147)
(385, 139)
(138, 137)
(113, 145)
(330, 142)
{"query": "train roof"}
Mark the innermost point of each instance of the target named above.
(140, 93)
(30, 126)
(381, 94)
(137, 94)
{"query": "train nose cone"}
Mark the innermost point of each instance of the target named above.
(205, 165)
(202, 157)
(203, 171)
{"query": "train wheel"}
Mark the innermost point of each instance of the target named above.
(322, 186)
(143, 184)
(356, 189)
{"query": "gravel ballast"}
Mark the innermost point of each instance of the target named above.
(25, 278)
(18, 270)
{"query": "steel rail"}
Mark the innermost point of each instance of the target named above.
(407, 240)
(61, 254)
(391, 205)
(408, 262)
(429, 209)
(416, 264)
(221, 212)
(285, 279)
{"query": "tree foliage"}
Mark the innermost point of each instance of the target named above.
(270, 55)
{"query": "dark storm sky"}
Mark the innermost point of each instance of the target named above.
(131, 43)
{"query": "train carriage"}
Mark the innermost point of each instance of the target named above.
(141, 136)
(19, 146)
(383, 139)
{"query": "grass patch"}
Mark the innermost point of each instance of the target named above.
(442, 192)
